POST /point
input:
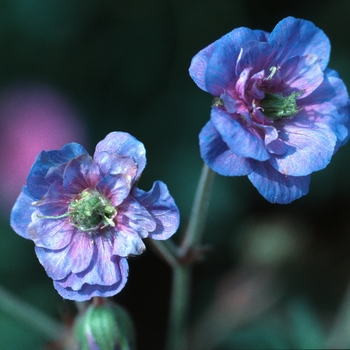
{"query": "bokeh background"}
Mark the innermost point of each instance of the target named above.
(274, 276)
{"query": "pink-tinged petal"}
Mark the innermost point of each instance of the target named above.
(55, 174)
(21, 214)
(37, 186)
(255, 56)
(88, 291)
(50, 233)
(103, 269)
(199, 65)
(297, 37)
(127, 242)
(163, 209)
(212, 68)
(242, 140)
(131, 214)
(271, 134)
(310, 147)
(115, 187)
(76, 257)
(276, 187)
(125, 145)
(81, 251)
(112, 163)
(80, 173)
(301, 74)
(55, 202)
(218, 156)
(329, 104)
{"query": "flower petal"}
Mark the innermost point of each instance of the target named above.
(161, 205)
(212, 68)
(297, 37)
(50, 233)
(21, 214)
(329, 104)
(255, 55)
(76, 257)
(127, 242)
(88, 291)
(278, 188)
(55, 202)
(115, 187)
(301, 74)
(218, 156)
(242, 140)
(102, 269)
(132, 215)
(80, 173)
(125, 145)
(37, 186)
(112, 163)
(310, 148)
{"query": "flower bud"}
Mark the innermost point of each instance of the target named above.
(104, 327)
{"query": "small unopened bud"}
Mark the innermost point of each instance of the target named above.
(104, 327)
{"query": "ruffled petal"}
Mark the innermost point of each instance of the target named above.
(198, 67)
(310, 147)
(301, 74)
(127, 242)
(212, 67)
(37, 186)
(329, 104)
(276, 187)
(123, 144)
(161, 205)
(115, 187)
(50, 233)
(102, 270)
(256, 56)
(88, 291)
(76, 257)
(112, 163)
(21, 214)
(218, 156)
(80, 173)
(297, 37)
(241, 140)
(55, 202)
(132, 215)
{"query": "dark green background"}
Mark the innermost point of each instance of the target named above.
(124, 65)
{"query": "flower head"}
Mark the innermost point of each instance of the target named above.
(86, 215)
(279, 113)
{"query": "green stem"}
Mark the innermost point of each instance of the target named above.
(21, 311)
(181, 271)
(166, 251)
(200, 207)
(178, 308)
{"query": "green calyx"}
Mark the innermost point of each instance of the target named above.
(277, 107)
(89, 211)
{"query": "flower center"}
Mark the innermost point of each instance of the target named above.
(90, 211)
(276, 107)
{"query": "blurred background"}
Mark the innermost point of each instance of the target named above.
(274, 276)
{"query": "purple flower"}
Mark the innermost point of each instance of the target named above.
(279, 113)
(86, 215)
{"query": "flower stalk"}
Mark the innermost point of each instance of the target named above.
(182, 271)
(31, 316)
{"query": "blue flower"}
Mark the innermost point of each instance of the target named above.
(86, 215)
(279, 113)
